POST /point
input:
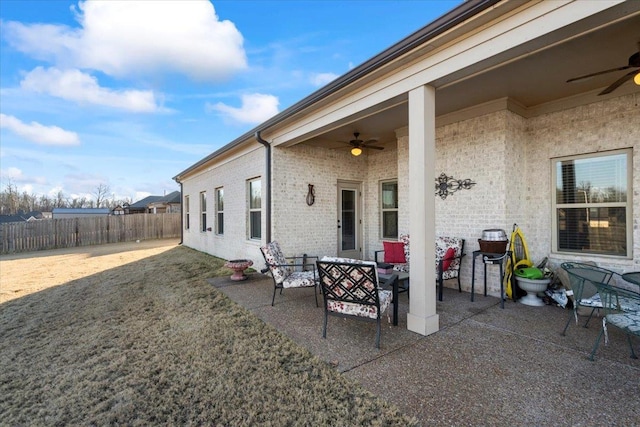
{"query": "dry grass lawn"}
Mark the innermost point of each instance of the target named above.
(132, 334)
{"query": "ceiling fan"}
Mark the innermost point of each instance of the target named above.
(358, 144)
(634, 62)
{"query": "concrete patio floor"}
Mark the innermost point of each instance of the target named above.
(486, 365)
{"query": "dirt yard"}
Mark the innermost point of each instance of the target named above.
(24, 273)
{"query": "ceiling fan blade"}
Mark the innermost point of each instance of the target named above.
(613, 86)
(575, 79)
(368, 141)
(373, 147)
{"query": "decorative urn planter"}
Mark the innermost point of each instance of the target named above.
(238, 266)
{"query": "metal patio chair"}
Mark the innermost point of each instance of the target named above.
(289, 272)
(351, 289)
(622, 310)
(583, 279)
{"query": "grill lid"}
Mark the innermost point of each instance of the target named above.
(494, 234)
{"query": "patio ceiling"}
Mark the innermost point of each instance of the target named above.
(532, 76)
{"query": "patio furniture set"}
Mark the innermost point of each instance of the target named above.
(355, 288)
(365, 289)
(592, 288)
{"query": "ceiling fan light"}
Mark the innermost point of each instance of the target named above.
(356, 151)
(636, 79)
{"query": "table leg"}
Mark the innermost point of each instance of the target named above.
(473, 276)
(485, 279)
(501, 286)
(395, 301)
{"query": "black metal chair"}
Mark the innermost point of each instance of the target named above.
(351, 289)
(283, 270)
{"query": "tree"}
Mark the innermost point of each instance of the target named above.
(101, 193)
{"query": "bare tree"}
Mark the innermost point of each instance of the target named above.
(101, 193)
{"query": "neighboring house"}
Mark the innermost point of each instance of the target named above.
(480, 93)
(169, 203)
(22, 217)
(60, 213)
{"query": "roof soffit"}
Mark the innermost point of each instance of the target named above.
(493, 38)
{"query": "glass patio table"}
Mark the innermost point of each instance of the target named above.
(633, 277)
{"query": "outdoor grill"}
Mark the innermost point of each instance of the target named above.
(493, 241)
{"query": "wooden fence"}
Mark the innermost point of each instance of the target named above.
(72, 232)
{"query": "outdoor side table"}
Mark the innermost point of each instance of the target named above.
(402, 277)
(489, 258)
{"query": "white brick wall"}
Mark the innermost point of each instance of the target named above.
(507, 156)
(232, 176)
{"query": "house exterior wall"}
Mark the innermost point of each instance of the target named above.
(310, 229)
(506, 155)
(509, 157)
(608, 125)
(232, 176)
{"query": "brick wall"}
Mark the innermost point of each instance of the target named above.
(508, 156)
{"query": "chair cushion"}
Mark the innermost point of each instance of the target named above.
(448, 259)
(299, 279)
(361, 310)
(443, 244)
(627, 321)
(394, 253)
(276, 261)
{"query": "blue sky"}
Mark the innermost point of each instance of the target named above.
(130, 93)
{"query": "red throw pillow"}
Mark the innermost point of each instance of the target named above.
(394, 252)
(448, 259)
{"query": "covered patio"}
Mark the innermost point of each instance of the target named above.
(486, 365)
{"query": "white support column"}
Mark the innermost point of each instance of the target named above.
(422, 317)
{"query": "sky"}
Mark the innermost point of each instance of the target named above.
(129, 94)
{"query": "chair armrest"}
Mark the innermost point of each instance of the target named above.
(376, 255)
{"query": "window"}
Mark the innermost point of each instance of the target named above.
(255, 212)
(186, 212)
(220, 210)
(591, 204)
(389, 209)
(203, 211)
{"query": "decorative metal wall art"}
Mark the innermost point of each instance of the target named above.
(446, 185)
(311, 195)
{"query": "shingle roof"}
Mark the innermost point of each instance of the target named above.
(20, 217)
(140, 204)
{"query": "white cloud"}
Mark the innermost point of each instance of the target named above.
(35, 132)
(124, 38)
(11, 173)
(321, 79)
(16, 175)
(256, 108)
(74, 85)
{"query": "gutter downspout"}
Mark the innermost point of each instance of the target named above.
(268, 182)
(181, 215)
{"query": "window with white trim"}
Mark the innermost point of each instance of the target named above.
(186, 212)
(592, 203)
(254, 190)
(220, 210)
(389, 210)
(203, 211)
